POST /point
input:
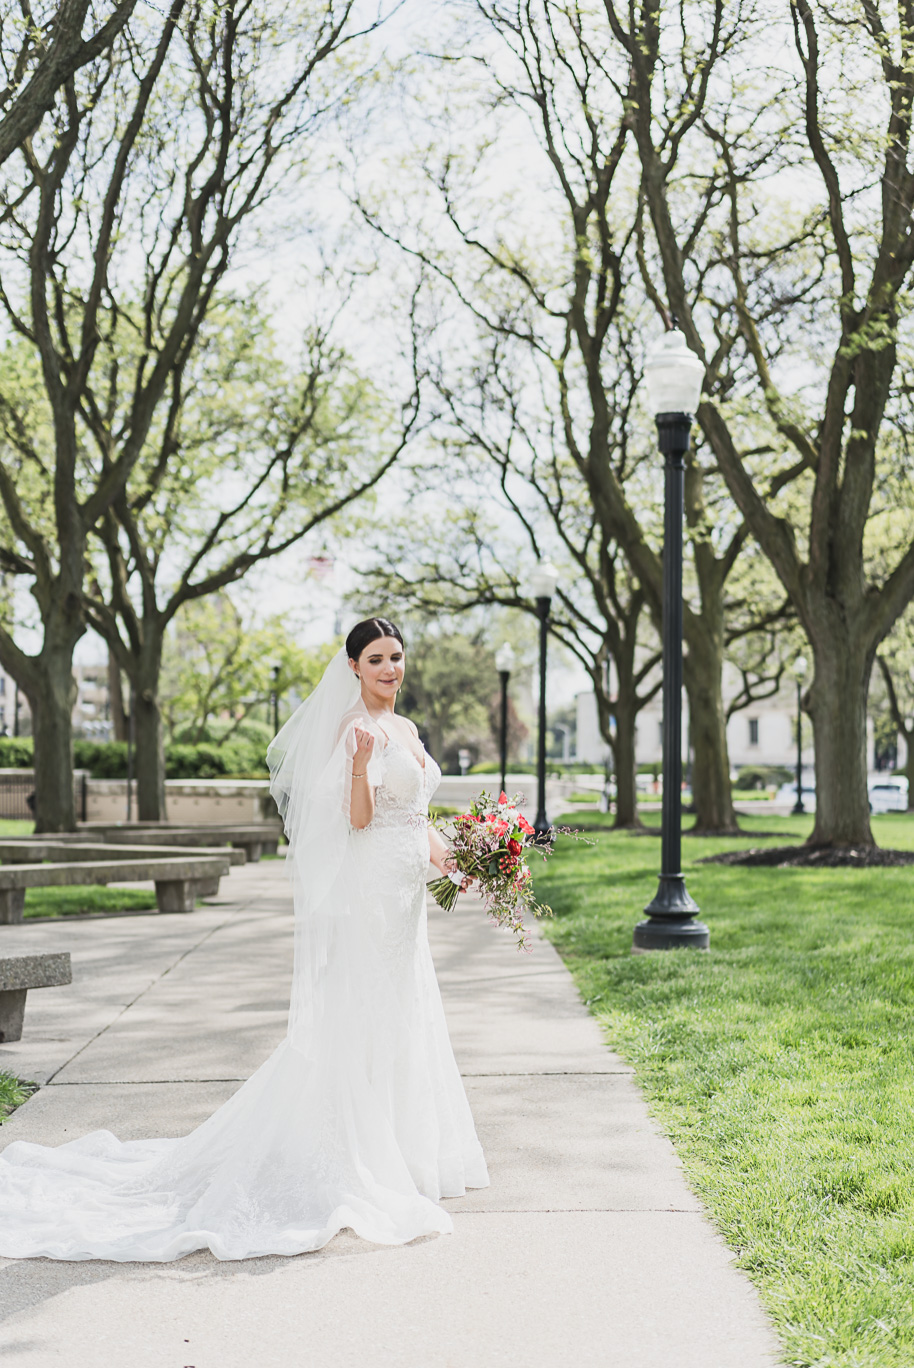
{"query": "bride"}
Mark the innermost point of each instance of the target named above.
(359, 1117)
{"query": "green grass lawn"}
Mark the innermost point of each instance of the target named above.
(781, 1064)
(13, 1092)
(63, 902)
(10, 829)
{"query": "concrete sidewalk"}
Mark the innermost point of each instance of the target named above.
(588, 1248)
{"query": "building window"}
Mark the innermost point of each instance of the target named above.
(753, 731)
(2, 684)
(660, 732)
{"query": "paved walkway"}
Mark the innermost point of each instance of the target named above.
(588, 1248)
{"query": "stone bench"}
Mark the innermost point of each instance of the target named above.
(19, 973)
(30, 849)
(254, 838)
(178, 881)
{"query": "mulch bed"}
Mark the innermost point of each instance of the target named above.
(816, 857)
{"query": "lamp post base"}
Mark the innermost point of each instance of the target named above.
(798, 810)
(671, 923)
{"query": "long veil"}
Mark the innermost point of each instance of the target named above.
(310, 783)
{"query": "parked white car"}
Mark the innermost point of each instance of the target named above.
(889, 795)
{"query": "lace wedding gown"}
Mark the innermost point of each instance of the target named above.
(359, 1118)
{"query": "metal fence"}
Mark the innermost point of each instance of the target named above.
(17, 795)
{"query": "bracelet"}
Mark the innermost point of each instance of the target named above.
(357, 776)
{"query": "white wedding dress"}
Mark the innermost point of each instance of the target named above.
(358, 1119)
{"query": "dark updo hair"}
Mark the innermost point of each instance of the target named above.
(364, 633)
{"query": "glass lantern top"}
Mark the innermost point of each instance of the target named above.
(504, 658)
(544, 579)
(673, 374)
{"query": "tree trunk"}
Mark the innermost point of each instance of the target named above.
(149, 757)
(116, 699)
(711, 792)
(51, 702)
(836, 702)
(623, 747)
(149, 747)
(624, 757)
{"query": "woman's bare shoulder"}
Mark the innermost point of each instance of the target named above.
(357, 717)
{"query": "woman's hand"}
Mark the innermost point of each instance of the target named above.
(449, 866)
(364, 749)
(361, 801)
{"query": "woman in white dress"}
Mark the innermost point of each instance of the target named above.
(359, 1118)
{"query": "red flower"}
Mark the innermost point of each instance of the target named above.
(503, 798)
(515, 847)
(524, 825)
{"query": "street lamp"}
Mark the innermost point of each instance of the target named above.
(799, 670)
(543, 582)
(674, 377)
(504, 664)
(275, 697)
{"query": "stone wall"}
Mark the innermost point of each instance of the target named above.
(187, 800)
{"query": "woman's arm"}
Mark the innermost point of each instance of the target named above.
(361, 799)
(441, 858)
(439, 850)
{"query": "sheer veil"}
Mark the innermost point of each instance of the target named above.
(310, 782)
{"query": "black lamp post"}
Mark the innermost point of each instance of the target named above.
(799, 670)
(504, 664)
(674, 378)
(275, 698)
(131, 751)
(543, 582)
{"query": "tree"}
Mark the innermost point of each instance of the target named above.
(156, 154)
(556, 323)
(597, 614)
(220, 665)
(768, 291)
(253, 455)
(47, 50)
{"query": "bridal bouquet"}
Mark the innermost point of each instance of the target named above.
(490, 844)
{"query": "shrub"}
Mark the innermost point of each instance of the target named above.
(494, 767)
(103, 759)
(762, 776)
(206, 761)
(16, 752)
(244, 757)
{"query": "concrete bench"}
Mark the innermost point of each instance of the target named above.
(178, 880)
(28, 849)
(255, 839)
(19, 973)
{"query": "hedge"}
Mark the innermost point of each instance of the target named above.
(108, 759)
(15, 752)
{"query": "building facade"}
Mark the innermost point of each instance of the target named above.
(765, 733)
